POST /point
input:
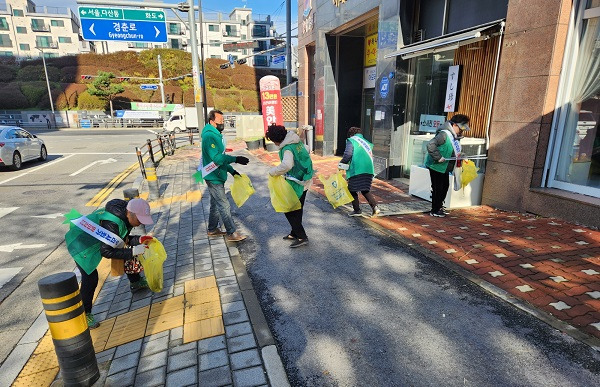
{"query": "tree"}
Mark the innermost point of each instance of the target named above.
(103, 87)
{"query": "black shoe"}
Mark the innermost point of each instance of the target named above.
(355, 213)
(439, 213)
(445, 210)
(299, 242)
(289, 237)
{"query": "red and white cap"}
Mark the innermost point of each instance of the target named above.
(141, 209)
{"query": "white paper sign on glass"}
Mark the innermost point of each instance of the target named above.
(451, 89)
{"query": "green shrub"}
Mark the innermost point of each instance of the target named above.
(85, 101)
(12, 98)
(34, 91)
(7, 73)
(251, 101)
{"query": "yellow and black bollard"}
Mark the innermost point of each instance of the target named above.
(69, 329)
(152, 180)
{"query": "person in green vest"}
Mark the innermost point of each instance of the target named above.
(358, 163)
(116, 221)
(445, 145)
(296, 167)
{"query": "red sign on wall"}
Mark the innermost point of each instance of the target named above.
(270, 97)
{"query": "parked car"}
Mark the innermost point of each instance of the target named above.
(18, 145)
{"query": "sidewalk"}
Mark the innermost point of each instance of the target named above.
(204, 328)
(547, 267)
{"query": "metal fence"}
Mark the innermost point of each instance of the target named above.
(163, 145)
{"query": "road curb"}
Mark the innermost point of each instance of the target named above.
(554, 322)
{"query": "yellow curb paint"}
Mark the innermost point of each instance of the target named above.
(112, 185)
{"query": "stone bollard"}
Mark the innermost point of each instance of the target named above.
(69, 329)
(131, 193)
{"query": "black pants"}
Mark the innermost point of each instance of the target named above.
(367, 194)
(89, 283)
(440, 183)
(295, 220)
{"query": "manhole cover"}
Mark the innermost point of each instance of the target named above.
(37, 192)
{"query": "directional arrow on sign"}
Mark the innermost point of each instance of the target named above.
(107, 161)
(92, 29)
(157, 31)
(19, 246)
(49, 216)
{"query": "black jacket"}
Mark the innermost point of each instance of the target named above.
(118, 208)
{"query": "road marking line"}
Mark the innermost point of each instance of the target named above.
(7, 210)
(107, 161)
(49, 216)
(20, 246)
(7, 274)
(37, 169)
(112, 185)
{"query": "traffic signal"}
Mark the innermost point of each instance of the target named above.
(241, 61)
(224, 66)
(123, 79)
(86, 77)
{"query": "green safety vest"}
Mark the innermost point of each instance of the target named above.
(361, 161)
(446, 151)
(302, 169)
(84, 248)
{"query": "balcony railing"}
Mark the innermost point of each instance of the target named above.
(40, 28)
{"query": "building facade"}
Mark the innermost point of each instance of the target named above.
(218, 31)
(27, 30)
(526, 72)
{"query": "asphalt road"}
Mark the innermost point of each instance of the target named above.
(358, 308)
(80, 164)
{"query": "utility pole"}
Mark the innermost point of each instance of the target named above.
(288, 38)
(47, 83)
(162, 87)
(203, 76)
(195, 65)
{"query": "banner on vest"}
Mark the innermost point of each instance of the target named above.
(210, 167)
(98, 232)
(364, 144)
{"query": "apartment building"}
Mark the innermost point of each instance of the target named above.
(219, 31)
(27, 30)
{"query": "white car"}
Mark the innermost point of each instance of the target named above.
(18, 145)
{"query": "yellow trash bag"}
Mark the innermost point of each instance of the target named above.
(469, 172)
(336, 189)
(241, 189)
(152, 260)
(283, 196)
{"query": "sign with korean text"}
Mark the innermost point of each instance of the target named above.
(239, 46)
(370, 77)
(278, 59)
(430, 122)
(165, 107)
(452, 89)
(384, 87)
(270, 97)
(149, 86)
(371, 50)
(123, 24)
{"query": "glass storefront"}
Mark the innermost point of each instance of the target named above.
(575, 164)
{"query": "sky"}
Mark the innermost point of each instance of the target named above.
(275, 8)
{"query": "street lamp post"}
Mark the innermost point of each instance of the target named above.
(47, 81)
(160, 77)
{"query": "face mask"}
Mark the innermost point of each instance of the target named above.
(220, 127)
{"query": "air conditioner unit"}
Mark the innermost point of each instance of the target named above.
(224, 32)
(130, 45)
(53, 45)
(184, 43)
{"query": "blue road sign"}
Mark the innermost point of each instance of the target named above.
(128, 25)
(230, 58)
(148, 87)
(85, 123)
(278, 59)
(384, 87)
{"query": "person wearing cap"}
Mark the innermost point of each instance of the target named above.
(216, 164)
(119, 217)
(445, 145)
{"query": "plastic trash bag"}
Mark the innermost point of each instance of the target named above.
(283, 196)
(336, 189)
(241, 189)
(469, 172)
(152, 260)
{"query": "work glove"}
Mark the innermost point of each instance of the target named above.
(441, 160)
(145, 238)
(138, 250)
(242, 160)
(234, 172)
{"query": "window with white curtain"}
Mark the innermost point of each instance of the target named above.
(575, 158)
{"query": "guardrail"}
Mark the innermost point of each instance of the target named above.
(122, 123)
(164, 145)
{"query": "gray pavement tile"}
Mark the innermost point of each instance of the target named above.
(122, 297)
(155, 377)
(119, 306)
(245, 359)
(238, 329)
(182, 360)
(128, 348)
(99, 308)
(111, 314)
(224, 273)
(184, 377)
(124, 378)
(141, 303)
(228, 289)
(249, 377)
(212, 359)
(177, 333)
(231, 297)
(182, 348)
(241, 343)
(177, 291)
(226, 281)
(211, 344)
(235, 306)
(101, 316)
(152, 361)
(175, 343)
(202, 261)
(215, 377)
(204, 273)
(124, 363)
(156, 336)
(202, 267)
(235, 317)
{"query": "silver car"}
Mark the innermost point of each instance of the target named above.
(18, 145)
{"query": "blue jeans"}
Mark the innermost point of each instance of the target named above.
(219, 205)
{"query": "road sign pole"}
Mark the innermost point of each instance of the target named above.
(203, 79)
(162, 87)
(195, 65)
(288, 39)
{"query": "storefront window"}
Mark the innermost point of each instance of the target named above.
(578, 160)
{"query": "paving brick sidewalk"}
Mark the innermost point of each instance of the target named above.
(549, 267)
